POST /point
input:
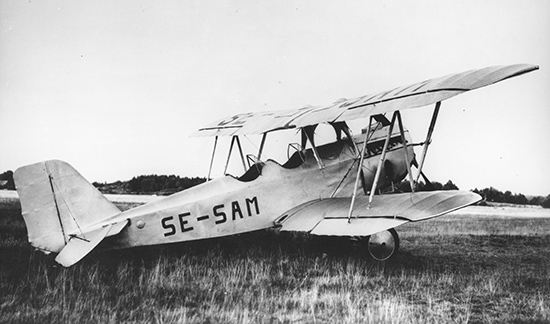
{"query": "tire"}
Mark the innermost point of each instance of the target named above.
(384, 245)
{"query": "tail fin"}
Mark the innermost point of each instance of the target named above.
(58, 203)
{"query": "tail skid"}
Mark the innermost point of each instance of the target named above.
(63, 212)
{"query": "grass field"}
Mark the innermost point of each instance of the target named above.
(479, 268)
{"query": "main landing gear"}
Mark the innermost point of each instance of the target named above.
(383, 245)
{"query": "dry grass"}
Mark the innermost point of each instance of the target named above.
(444, 274)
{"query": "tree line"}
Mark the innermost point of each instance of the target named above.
(6, 180)
(158, 184)
(168, 184)
(404, 186)
(495, 195)
(489, 194)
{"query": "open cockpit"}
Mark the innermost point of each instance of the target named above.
(341, 147)
(305, 154)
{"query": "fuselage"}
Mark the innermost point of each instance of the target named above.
(231, 205)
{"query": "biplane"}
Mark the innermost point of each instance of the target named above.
(331, 189)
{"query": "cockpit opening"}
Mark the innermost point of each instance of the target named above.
(252, 173)
(297, 159)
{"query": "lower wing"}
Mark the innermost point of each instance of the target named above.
(330, 216)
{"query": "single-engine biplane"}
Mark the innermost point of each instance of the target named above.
(328, 190)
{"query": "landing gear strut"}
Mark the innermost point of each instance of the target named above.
(383, 245)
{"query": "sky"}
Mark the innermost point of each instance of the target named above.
(115, 88)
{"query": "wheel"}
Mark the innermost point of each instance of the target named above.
(383, 245)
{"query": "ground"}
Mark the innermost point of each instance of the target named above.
(485, 265)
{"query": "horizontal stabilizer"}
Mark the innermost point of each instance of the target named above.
(79, 246)
(330, 216)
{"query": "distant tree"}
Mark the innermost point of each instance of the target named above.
(160, 183)
(546, 202)
(492, 194)
(437, 185)
(171, 183)
(135, 184)
(450, 186)
(520, 199)
(508, 197)
(404, 186)
(8, 178)
(149, 184)
(434, 185)
(185, 183)
(537, 200)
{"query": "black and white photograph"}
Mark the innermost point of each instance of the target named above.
(274, 161)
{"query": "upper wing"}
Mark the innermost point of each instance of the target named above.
(406, 97)
(330, 216)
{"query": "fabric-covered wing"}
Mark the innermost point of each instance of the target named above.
(406, 97)
(329, 216)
